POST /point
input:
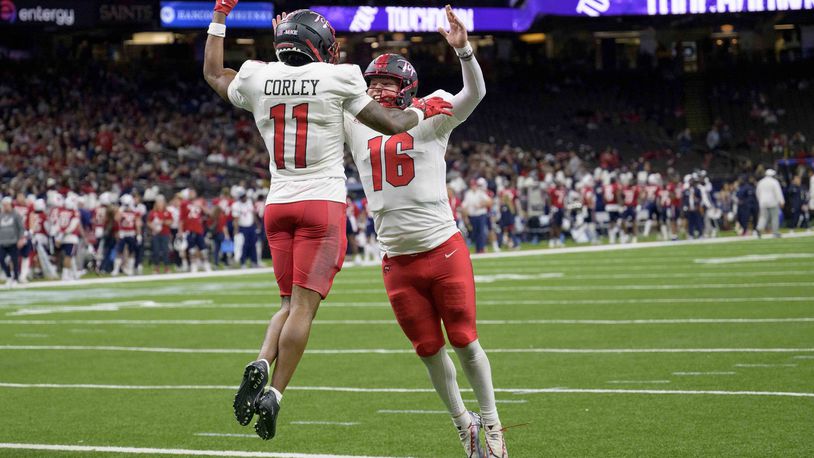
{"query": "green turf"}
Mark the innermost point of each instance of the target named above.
(642, 284)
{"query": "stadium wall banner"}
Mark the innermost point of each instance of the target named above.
(406, 18)
(53, 13)
(421, 19)
(596, 8)
(120, 12)
(249, 15)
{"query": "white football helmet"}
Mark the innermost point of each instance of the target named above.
(39, 205)
(72, 202)
(57, 200)
(180, 243)
(126, 200)
(641, 177)
(104, 199)
(237, 191)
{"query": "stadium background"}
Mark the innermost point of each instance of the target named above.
(102, 96)
(566, 83)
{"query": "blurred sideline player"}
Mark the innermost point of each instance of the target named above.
(128, 235)
(245, 226)
(298, 105)
(38, 227)
(427, 269)
(67, 235)
(630, 213)
(191, 227)
(612, 197)
(24, 208)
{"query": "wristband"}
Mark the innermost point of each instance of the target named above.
(418, 112)
(216, 29)
(465, 53)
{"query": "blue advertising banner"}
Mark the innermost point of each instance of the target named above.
(46, 13)
(421, 19)
(248, 15)
(595, 8)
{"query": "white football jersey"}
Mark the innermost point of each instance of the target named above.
(243, 212)
(299, 112)
(404, 177)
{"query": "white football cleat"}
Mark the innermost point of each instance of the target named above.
(495, 444)
(470, 437)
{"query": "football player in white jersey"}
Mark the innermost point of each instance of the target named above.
(298, 105)
(427, 269)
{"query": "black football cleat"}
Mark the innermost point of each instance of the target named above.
(254, 380)
(268, 408)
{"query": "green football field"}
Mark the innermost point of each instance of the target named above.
(685, 350)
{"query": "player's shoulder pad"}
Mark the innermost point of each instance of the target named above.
(440, 93)
(250, 67)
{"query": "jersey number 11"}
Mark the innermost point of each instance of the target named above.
(300, 115)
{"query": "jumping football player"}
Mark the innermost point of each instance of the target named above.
(427, 269)
(298, 105)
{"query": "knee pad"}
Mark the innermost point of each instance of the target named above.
(428, 345)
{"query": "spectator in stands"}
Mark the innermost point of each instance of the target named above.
(12, 239)
(713, 138)
(770, 199)
(684, 142)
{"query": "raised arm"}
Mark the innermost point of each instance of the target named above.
(218, 77)
(391, 121)
(465, 101)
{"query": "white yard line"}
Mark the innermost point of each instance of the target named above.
(502, 401)
(143, 278)
(668, 286)
(704, 373)
(765, 365)
(485, 302)
(514, 391)
(512, 254)
(754, 258)
(392, 322)
(629, 246)
(660, 300)
(637, 382)
(388, 351)
(253, 436)
(680, 392)
(432, 412)
(696, 274)
(656, 265)
(167, 451)
(106, 307)
(326, 423)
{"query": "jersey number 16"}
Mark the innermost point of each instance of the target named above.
(399, 166)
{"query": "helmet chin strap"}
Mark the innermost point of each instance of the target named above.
(388, 99)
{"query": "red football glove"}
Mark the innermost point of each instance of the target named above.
(432, 106)
(225, 6)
